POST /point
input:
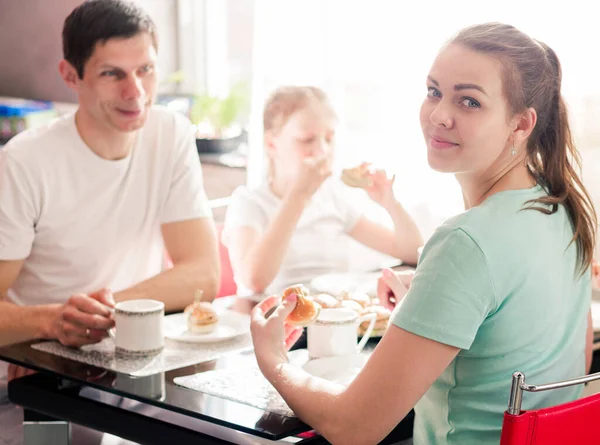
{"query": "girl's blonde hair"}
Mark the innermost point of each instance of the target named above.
(283, 103)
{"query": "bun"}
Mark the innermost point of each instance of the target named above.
(351, 304)
(202, 317)
(297, 289)
(357, 176)
(360, 297)
(381, 321)
(326, 301)
(306, 310)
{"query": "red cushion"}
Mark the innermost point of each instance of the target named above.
(574, 422)
(227, 285)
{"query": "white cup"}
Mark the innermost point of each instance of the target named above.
(334, 333)
(138, 328)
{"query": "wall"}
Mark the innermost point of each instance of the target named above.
(590, 160)
(30, 45)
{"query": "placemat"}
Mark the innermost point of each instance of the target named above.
(175, 355)
(243, 385)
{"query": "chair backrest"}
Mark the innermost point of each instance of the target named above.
(573, 422)
(227, 284)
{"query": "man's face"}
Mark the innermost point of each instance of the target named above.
(119, 83)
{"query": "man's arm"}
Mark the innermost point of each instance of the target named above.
(192, 246)
(83, 319)
(19, 324)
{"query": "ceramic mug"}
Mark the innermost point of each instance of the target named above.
(334, 333)
(138, 328)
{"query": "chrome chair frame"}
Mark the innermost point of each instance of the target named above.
(519, 385)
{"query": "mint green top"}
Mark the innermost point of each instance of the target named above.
(501, 284)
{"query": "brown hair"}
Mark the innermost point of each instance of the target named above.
(97, 21)
(532, 78)
(285, 101)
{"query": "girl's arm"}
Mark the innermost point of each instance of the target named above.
(257, 258)
(403, 241)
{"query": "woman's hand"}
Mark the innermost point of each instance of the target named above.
(381, 188)
(595, 274)
(271, 336)
(393, 286)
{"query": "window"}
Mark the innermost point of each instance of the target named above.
(372, 59)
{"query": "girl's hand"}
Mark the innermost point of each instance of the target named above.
(271, 336)
(381, 188)
(313, 172)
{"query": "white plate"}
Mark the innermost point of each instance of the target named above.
(342, 369)
(231, 324)
(337, 284)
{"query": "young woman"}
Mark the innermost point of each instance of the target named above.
(504, 286)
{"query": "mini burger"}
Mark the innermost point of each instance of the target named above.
(201, 316)
(381, 322)
(358, 177)
(306, 310)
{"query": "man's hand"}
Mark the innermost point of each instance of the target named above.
(84, 319)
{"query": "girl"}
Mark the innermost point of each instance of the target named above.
(292, 228)
(503, 287)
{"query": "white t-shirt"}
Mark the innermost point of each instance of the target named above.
(82, 222)
(318, 243)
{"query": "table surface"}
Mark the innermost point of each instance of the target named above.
(191, 403)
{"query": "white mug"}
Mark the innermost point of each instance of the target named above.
(138, 328)
(334, 333)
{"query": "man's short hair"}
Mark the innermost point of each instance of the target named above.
(96, 21)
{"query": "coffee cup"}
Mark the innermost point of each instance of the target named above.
(334, 333)
(138, 330)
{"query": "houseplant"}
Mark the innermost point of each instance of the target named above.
(218, 119)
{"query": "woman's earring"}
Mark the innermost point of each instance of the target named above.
(514, 151)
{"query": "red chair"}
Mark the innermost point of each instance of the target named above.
(574, 422)
(227, 284)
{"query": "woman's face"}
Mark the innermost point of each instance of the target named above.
(309, 132)
(465, 117)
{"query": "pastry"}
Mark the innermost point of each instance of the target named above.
(360, 297)
(351, 304)
(201, 316)
(306, 310)
(326, 301)
(381, 322)
(359, 176)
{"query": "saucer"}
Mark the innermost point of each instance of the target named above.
(341, 369)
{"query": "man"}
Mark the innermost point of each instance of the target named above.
(89, 203)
